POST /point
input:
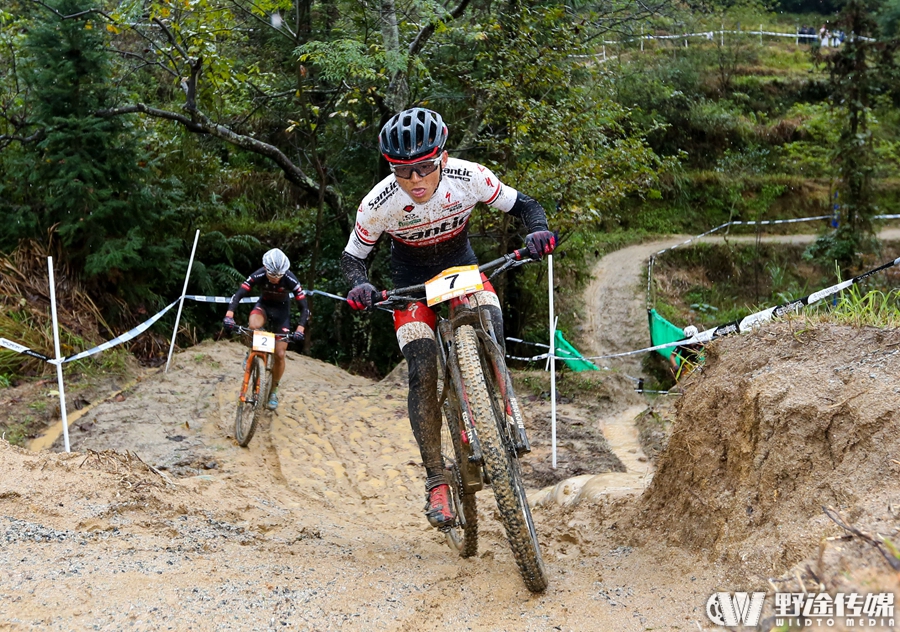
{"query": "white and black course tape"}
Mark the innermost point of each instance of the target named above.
(749, 322)
(15, 346)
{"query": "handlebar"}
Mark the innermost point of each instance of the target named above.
(240, 329)
(513, 259)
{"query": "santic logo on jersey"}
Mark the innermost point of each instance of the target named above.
(436, 233)
(460, 173)
(384, 195)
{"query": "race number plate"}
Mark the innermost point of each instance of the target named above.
(264, 341)
(453, 282)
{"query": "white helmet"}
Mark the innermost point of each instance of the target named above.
(276, 262)
(690, 331)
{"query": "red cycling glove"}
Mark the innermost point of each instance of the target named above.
(362, 296)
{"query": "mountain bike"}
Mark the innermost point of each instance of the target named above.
(483, 431)
(257, 380)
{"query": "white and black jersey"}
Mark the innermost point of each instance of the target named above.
(433, 235)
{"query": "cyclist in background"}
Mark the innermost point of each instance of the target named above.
(685, 358)
(424, 206)
(277, 285)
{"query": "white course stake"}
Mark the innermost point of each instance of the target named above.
(181, 300)
(552, 359)
(58, 361)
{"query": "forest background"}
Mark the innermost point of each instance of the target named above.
(125, 126)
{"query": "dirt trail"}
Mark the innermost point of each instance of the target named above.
(616, 298)
(318, 524)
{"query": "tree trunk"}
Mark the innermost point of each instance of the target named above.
(398, 90)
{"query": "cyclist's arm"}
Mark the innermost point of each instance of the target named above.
(304, 315)
(304, 311)
(242, 291)
(530, 212)
(354, 269)
(367, 229)
(300, 296)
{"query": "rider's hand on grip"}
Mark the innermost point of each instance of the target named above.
(362, 296)
(297, 336)
(229, 324)
(540, 243)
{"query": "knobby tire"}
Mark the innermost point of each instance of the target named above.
(502, 468)
(462, 538)
(248, 411)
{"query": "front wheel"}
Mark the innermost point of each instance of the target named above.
(254, 400)
(501, 465)
(463, 537)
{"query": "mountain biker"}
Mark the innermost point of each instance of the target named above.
(424, 206)
(277, 285)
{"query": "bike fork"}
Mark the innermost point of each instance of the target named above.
(471, 437)
(247, 370)
(510, 402)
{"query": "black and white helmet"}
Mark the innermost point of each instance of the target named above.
(413, 135)
(690, 331)
(276, 262)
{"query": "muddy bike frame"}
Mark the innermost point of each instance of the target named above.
(483, 431)
(255, 386)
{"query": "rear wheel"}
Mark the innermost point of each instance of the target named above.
(501, 464)
(463, 537)
(249, 409)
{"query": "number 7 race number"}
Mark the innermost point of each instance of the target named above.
(453, 282)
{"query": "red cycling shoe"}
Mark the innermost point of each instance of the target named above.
(439, 507)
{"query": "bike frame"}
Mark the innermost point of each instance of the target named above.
(461, 312)
(267, 358)
(248, 364)
(485, 424)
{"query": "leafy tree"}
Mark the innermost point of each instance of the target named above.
(85, 176)
(861, 70)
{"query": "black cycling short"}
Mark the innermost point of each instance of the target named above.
(278, 315)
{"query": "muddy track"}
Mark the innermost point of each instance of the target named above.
(318, 524)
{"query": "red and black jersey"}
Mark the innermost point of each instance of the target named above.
(280, 292)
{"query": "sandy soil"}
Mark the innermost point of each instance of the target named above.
(157, 520)
(316, 525)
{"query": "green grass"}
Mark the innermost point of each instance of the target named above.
(17, 433)
(585, 386)
(874, 308)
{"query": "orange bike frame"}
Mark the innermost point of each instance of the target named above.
(247, 369)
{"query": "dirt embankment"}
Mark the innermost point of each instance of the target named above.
(778, 425)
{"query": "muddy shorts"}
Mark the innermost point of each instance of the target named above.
(277, 315)
(417, 321)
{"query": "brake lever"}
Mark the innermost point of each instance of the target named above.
(512, 263)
